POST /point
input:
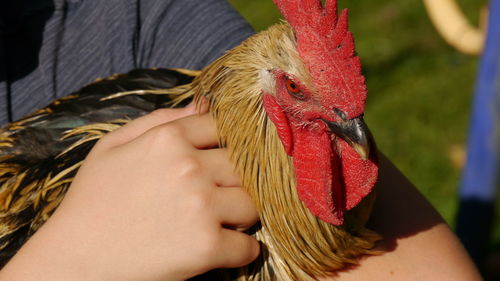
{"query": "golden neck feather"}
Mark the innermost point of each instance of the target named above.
(297, 244)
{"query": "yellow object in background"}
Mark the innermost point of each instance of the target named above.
(455, 28)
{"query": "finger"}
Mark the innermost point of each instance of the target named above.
(198, 130)
(235, 208)
(219, 166)
(140, 125)
(236, 249)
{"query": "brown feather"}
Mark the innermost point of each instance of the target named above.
(298, 246)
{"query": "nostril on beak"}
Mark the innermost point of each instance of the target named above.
(340, 113)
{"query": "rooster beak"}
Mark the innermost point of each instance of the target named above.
(355, 133)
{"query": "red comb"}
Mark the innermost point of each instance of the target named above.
(310, 15)
(327, 48)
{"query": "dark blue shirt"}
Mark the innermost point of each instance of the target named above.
(50, 48)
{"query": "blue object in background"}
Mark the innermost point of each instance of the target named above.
(479, 181)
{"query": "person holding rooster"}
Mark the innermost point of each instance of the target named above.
(169, 205)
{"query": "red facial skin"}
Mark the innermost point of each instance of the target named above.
(331, 177)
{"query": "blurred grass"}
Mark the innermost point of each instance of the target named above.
(420, 89)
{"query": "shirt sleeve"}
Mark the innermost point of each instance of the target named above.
(187, 33)
(81, 40)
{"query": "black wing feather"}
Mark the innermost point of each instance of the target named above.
(30, 149)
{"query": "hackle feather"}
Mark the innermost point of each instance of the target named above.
(297, 245)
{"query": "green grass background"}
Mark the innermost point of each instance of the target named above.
(420, 89)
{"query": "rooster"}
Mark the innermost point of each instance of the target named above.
(288, 104)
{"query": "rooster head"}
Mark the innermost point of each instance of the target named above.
(319, 115)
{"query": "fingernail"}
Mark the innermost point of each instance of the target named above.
(202, 105)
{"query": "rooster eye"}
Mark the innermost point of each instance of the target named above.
(293, 89)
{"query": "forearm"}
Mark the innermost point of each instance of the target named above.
(432, 254)
(418, 244)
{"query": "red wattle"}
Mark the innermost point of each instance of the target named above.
(358, 175)
(331, 177)
(317, 171)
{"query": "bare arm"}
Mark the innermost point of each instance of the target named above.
(420, 245)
